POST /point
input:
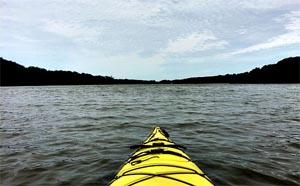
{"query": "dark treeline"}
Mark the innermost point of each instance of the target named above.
(13, 74)
(285, 71)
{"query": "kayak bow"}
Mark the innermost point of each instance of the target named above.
(159, 161)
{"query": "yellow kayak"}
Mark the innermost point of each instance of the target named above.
(160, 162)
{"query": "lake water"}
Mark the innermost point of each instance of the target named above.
(79, 135)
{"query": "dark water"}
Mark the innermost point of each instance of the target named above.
(78, 135)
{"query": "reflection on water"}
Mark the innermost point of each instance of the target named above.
(79, 135)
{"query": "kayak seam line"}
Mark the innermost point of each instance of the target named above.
(162, 165)
(163, 176)
(126, 173)
(167, 165)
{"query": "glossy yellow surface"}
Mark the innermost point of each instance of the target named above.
(160, 163)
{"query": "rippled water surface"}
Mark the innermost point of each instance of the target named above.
(79, 135)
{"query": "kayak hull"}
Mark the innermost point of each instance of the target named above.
(159, 161)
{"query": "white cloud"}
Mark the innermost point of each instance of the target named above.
(281, 40)
(194, 42)
(292, 36)
(266, 4)
(293, 21)
(133, 10)
(69, 29)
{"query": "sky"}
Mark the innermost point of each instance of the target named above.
(149, 39)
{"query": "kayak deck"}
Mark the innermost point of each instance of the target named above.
(159, 161)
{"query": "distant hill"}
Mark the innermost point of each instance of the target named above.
(285, 71)
(13, 74)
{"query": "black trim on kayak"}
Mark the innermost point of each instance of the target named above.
(164, 132)
(157, 151)
(140, 161)
(142, 146)
(126, 173)
(158, 139)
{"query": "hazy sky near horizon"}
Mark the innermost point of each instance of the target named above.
(149, 39)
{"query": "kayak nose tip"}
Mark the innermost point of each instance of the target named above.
(162, 131)
(157, 128)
